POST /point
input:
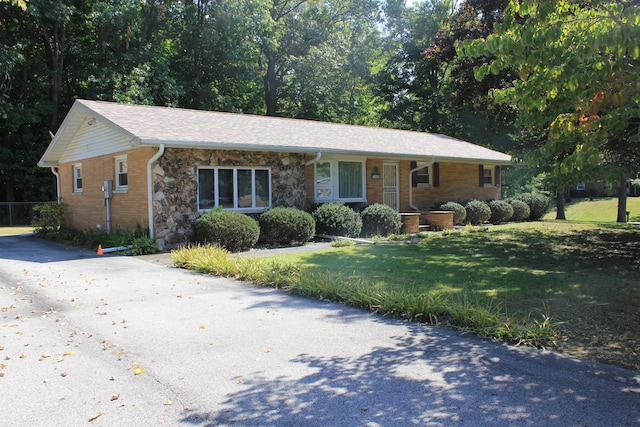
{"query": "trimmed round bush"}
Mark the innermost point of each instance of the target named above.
(380, 220)
(337, 219)
(477, 212)
(521, 210)
(233, 231)
(286, 225)
(459, 212)
(501, 211)
(538, 204)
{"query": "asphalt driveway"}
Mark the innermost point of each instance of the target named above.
(121, 341)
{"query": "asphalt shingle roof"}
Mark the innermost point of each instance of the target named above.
(175, 127)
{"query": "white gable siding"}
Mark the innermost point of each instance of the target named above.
(95, 140)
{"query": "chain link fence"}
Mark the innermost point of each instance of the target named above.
(17, 213)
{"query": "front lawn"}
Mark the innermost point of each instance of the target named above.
(522, 283)
(602, 210)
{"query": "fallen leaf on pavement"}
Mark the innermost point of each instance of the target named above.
(96, 416)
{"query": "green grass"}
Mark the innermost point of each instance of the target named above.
(600, 210)
(5, 231)
(523, 283)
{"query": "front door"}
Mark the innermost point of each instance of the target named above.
(390, 194)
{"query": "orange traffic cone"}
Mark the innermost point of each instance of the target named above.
(100, 250)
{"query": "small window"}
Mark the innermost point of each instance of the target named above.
(324, 184)
(423, 177)
(580, 187)
(122, 173)
(247, 189)
(77, 178)
(487, 177)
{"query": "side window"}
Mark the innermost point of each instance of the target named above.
(77, 178)
(122, 173)
(487, 175)
(423, 177)
(324, 183)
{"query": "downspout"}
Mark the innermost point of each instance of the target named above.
(150, 163)
(417, 168)
(315, 159)
(54, 170)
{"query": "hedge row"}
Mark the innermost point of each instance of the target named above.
(526, 207)
(284, 226)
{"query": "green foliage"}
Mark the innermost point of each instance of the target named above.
(459, 212)
(575, 62)
(538, 204)
(477, 212)
(501, 211)
(231, 230)
(49, 218)
(380, 220)
(142, 245)
(337, 219)
(281, 225)
(137, 237)
(521, 210)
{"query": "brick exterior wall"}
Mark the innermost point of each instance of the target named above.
(458, 182)
(88, 210)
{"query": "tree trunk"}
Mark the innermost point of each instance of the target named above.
(560, 204)
(622, 200)
(271, 87)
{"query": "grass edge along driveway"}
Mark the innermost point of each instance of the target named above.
(564, 286)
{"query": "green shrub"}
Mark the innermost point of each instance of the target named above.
(477, 212)
(521, 210)
(286, 225)
(233, 231)
(380, 220)
(538, 204)
(501, 211)
(49, 219)
(459, 212)
(337, 219)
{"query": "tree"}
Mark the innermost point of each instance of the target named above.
(578, 66)
(484, 120)
(417, 92)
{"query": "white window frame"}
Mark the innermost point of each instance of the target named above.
(429, 168)
(216, 196)
(492, 175)
(580, 187)
(77, 176)
(120, 160)
(331, 189)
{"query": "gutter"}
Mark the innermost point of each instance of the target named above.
(314, 160)
(414, 207)
(150, 163)
(54, 170)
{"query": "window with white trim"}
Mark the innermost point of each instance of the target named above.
(77, 178)
(487, 176)
(423, 177)
(122, 173)
(245, 189)
(339, 180)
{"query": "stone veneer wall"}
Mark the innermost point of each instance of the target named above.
(175, 199)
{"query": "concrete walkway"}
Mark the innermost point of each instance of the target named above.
(119, 341)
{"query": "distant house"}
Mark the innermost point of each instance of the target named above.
(120, 165)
